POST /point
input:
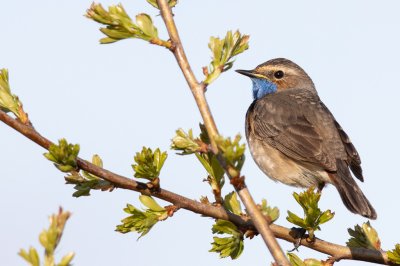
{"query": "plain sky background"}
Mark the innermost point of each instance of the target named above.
(115, 99)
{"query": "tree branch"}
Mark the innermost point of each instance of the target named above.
(198, 93)
(337, 251)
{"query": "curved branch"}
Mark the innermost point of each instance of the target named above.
(198, 93)
(337, 251)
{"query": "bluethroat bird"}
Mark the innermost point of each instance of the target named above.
(295, 139)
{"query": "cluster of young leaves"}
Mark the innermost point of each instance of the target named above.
(313, 217)
(9, 102)
(296, 261)
(266, 210)
(232, 152)
(64, 155)
(214, 169)
(228, 246)
(83, 184)
(394, 255)
(364, 236)
(232, 204)
(184, 142)
(171, 3)
(233, 246)
(142, 221)
(149, 165)
(49, 240)
(188, 145)
(223, 51)
(120, 26)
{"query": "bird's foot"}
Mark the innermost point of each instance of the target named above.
(300, 233)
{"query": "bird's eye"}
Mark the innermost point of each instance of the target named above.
(278, 74)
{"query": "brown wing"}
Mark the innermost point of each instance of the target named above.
(353, 160)
(283, 121)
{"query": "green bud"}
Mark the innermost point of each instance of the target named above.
(313, 216)
(120, 26)
(66, 259)
(364, 236)
(223, 51)
(229, 246)
(145, 24)
(84, 185)
(171, 3)
(8, 101)
(64, 155)
(394, 255)
(184, 142)
(232, 152)
(96, 161)
(268, 211)
(140, 221)
(232, 204)
(294, 260)
(149, 164)
(32, 257)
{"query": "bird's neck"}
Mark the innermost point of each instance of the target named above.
(262, 87)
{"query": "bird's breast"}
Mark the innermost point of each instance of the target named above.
(279, 167)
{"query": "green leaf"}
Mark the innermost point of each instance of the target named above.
(294, 260)
(228, 246)
(120, 26)
(64, 155)
(232, 204)
(184, 142)
(313, 216)
(312, 262)
(394, 255)
(145, 23)
(84, 185)
(66, 259)
(268, 211)
(151, 204)
(171, 3)
(32, 257)
(96, 161)
(149, 164)
(142, 222)
(232, 152)
(364, 237)
(49, 240)
(223, 51)
(8, 101)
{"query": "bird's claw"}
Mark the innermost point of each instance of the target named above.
(301, 233)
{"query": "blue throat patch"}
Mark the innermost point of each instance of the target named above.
(262, 87)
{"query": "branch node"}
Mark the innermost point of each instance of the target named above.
(202, 84)
(171, 209)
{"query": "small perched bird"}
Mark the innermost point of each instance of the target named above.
(294, 138)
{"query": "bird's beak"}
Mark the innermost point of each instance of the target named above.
(249, 73)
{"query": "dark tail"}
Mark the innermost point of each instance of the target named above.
(350, 192)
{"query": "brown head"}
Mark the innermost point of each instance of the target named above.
(276, 75)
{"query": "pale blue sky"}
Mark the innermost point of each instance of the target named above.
(115, 99)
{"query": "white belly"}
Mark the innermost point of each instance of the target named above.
(279, 167)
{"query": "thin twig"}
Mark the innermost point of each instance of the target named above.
(337, 251)
(198, 93)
